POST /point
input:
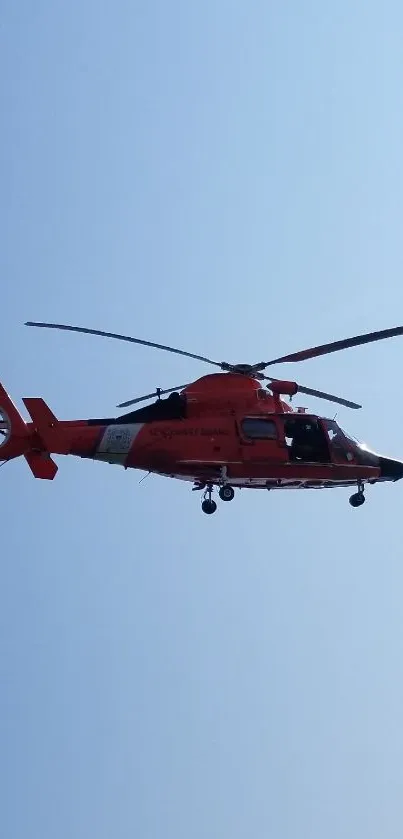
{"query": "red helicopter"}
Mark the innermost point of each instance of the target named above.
(226, 430)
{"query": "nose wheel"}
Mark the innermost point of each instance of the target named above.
(358, 499)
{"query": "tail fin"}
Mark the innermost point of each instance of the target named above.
(41, 415)
(18, 438)
(41, 465)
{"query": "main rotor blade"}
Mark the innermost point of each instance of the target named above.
(320, 394)
(335, 346)
(150, 396)
(329, 397)
(123, 338)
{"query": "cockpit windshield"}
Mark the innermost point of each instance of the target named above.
(346, 447)
(343, 443)
(339, 443)
(334, 432)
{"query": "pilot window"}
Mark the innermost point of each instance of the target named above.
(259, 428)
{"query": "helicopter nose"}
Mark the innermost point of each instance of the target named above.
(391, 470)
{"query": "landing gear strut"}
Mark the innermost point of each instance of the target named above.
(208, 505)
(226, 493)
(358, 498)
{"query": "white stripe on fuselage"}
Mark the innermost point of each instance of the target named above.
(285, 483)
(116, 443)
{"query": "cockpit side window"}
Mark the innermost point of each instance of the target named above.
(305, 439)
(259, 428)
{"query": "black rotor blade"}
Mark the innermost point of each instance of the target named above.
(150, 396)
(335, 346)
(320, 394)
(123, 338)
(329, 397)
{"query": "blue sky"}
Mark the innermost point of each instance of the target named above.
(226, 177)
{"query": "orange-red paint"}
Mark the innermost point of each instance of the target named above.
(215, 442)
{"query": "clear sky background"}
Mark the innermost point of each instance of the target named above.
(226, 177)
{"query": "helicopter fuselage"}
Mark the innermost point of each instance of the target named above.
(224, 430)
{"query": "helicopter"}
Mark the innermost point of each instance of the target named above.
(227, 430)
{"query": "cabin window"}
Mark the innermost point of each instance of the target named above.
(259, 428)
(305, 440)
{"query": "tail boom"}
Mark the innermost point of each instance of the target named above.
(35, 440)
(45, 435)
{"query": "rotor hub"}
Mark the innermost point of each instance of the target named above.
(243, 370)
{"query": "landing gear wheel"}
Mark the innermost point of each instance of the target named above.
(357, 499)
(226, 493)
(209, 506)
